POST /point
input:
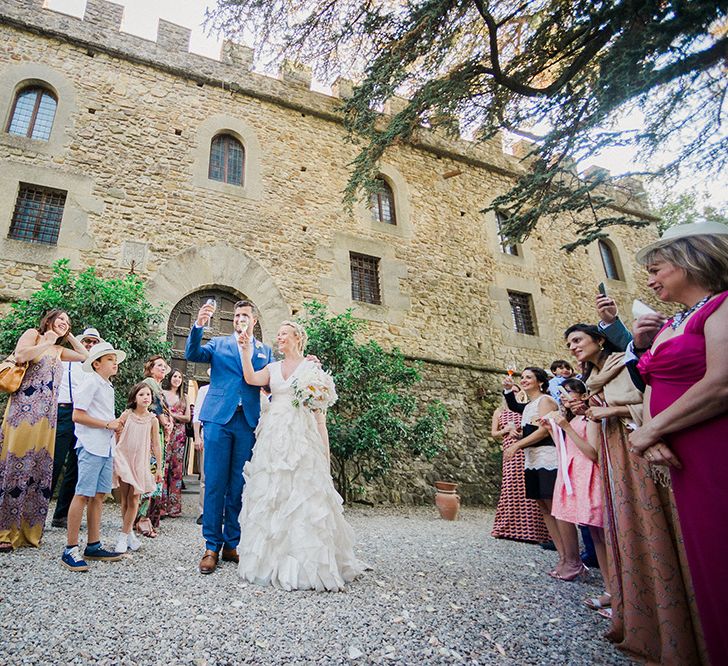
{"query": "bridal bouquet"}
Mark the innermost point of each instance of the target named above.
(314, 389)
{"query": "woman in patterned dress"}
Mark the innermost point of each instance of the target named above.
(28, 434)
(516, 517)
(179, 409)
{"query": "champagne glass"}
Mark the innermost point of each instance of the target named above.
(511, 368)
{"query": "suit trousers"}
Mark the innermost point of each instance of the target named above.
(227, 448)
(65, 440)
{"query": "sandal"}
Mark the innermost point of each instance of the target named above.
(596, 603)
(6, 547)
(145, 528)
(605, 613)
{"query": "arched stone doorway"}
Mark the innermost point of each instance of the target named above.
(183, 316)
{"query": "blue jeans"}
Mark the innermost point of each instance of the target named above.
(227, 448)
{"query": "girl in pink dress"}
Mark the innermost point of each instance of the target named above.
(578, 488)
(686, 425)
(137, 441)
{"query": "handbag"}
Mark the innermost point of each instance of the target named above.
(11, 374)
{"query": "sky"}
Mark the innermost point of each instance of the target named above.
(141, 19)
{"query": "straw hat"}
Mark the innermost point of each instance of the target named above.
(99, 350)
(90, 333)
(684, 231)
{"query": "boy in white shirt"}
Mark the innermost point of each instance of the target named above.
(95, 424)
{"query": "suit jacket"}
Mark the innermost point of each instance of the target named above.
(620, 336)
(228, 388)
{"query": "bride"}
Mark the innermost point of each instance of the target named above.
(294, 535)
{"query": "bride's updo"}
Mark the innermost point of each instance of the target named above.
(300, 333)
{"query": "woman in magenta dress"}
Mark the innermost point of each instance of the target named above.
(686, 424)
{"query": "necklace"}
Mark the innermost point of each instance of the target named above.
(680, 317)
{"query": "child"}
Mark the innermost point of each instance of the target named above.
(93, 414)
(561, 371)
(580, 467)
(138, 440)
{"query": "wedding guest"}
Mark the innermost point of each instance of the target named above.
(199, 442)
(155, 370)
(686, 420)
(179, 412)
(561, 371)
(138, 441)
(28, 430)
(64, 455)
(651, 619)
(540, 466)
(578, 488)
(93, 414)
(516, 517)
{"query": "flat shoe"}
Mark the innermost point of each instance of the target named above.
(595, 603)
(6, 547)
(605, 613)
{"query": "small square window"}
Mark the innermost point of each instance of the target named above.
(365, 278)
(37, 215)
(524, 320)
(506, 247)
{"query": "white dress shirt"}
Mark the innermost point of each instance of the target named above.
(96, 397)
(72, 371)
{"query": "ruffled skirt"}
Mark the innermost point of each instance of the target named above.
(294, 535)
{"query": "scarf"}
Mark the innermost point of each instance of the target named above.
(615, 384)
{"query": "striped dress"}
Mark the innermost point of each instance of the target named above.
(516, 517)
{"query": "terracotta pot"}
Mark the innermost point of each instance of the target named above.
(447, 500)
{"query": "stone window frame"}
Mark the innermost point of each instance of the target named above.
(336, 283)
(73, 237)
(15, 78)
(400, 191)
(376, 198)
(368, 282)
(604, 244)
(527, 319)
(502, 314)
(45, 225)
(225, 141)
(525, 255)
(41, 91)
(625, 284)
(252, 187)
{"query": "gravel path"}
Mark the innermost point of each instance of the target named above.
(440, 593)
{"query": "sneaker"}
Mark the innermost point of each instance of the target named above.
(102, 554)
(133, 542)
(71, 559)
(122, 543)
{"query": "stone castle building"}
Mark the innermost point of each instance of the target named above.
(207, 178)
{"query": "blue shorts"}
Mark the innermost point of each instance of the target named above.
(94, 473)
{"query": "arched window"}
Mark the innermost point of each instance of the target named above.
(382, 203)
(33, 112)
(227, 159)
(609, 261)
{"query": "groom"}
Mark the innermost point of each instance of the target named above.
(229, 415)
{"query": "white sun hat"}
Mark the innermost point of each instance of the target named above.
(99, 350)
(684, 231)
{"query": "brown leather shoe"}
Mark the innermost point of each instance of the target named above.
(208, 563)
(230, 555)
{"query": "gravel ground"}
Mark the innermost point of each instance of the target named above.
(439, 593)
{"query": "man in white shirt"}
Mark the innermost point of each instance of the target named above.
(65, 448)
(200, 445)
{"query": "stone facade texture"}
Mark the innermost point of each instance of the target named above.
(130, 145)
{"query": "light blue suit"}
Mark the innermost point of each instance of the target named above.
(229, 415)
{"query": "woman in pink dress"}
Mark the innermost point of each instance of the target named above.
(686, 422)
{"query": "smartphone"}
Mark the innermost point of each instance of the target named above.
(213, 302)
(602, 289)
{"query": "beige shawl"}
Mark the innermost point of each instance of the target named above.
(615, 385)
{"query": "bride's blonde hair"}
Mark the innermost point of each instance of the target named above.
(300, 333)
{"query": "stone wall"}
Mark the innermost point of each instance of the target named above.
(130, 145)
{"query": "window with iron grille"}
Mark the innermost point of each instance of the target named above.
(365, 278)
(34, 109)
(382, 203)
(522, 312)
(609, 261)
(37, 215)
(227, 159)
(505, 245)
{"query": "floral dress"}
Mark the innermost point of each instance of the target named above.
(27, 441)
(174, 466)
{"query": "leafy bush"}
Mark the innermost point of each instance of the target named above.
(117, 307)
(376, 414)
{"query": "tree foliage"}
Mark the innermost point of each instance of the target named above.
(117, 307)
(575, 67)
(685, 209)
(377, 413)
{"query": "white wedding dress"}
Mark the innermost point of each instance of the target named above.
(294, 535)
